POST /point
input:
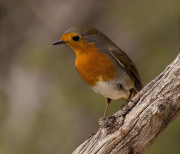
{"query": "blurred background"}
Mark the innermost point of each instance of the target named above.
(46, 108)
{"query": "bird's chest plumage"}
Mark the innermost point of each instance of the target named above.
(93, 66)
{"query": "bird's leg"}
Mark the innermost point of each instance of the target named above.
(108, 100)
(131, 95)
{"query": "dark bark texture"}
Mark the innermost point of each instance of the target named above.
(136, 126)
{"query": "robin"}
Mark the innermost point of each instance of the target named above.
(102, 64)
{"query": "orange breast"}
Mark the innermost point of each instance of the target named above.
(93, 66)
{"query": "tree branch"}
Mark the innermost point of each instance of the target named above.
(134, 128)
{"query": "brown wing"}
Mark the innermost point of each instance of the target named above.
(128, 66)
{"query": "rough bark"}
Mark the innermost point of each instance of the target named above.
(134, 128)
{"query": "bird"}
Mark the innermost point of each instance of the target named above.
(104, 66)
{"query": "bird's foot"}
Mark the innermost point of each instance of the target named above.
(126, 105)
(92, 135)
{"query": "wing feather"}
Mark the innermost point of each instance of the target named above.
(128, 66)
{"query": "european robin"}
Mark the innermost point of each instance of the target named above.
(102, 64)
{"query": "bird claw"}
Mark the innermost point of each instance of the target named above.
(126, 104)
(129, 100)
(92, 135)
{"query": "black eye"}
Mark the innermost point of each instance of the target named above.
(76, 38)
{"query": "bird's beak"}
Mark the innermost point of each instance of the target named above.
(59, 42)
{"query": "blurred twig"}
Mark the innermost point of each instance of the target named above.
(134, 128)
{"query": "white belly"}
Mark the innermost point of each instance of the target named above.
(109, 90)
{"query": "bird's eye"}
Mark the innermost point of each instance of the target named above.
(76, 38)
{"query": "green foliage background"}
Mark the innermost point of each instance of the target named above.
(45, 106)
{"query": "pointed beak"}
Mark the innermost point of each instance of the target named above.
(59, 42)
